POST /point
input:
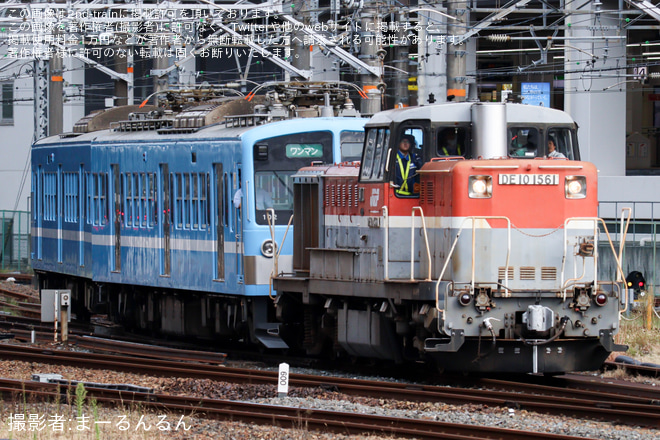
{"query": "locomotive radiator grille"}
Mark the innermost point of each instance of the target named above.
(427, 193)
(500, 273)
(548, 273)
(528, 273)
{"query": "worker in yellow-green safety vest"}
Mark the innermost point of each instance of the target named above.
(448, 145)
(406, 167)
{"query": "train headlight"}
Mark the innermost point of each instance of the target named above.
(576, 187)
(601, 299)
(268, 248)
(480, 187)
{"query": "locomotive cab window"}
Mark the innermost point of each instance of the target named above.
(524, 142)
(373, 162)
(408, 159)
(560, 144)
(452, 141)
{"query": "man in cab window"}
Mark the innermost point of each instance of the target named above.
(407, 164)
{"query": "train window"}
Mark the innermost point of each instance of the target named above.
(50, 196)
(178, 200)
(70, 197)
(407, 161)
(351, 143)
(523, 142)
(373, 162)
(187, 201)
(452, 141)
(195, 202)
(96, 199)
(152, 215)
(565, 147)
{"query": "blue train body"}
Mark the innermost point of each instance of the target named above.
(141, 224)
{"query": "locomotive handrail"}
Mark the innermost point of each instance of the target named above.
(247, 199)
(560, 167)
(495, 167)
(386, 244)
(453, 246)
(616, 257)
(412, 243)
(565, 284)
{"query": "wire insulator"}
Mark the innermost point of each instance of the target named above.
(499, 38)
(654, 75)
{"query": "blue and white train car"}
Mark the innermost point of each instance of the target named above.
(142, 220)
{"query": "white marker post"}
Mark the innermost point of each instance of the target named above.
(283, 381)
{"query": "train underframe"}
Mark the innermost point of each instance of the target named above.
(168, 312)
(407, 329)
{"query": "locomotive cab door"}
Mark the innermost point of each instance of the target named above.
(403, 196)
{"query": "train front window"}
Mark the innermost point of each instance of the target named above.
(563, 140)
(524, 142)
(276, 160)
(351, 143)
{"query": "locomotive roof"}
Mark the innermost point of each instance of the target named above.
(461, 112)
(214, 132)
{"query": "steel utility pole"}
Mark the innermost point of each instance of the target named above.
(457, 53)
(370, 53)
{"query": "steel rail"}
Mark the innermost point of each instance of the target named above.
(283, 416)
(599, 406)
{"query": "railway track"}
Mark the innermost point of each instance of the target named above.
(283, 416)
(610, 403)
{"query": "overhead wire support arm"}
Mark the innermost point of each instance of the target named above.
(647, 7)
(510, 7)
(335, 50)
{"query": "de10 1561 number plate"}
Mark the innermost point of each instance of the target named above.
(529, 179)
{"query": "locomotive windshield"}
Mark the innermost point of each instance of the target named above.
(531, 142)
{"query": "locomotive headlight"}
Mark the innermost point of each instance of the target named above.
(480, 187)
(576, 187)
(268, 248)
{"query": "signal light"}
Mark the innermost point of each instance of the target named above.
(601, 299)
(635, 280)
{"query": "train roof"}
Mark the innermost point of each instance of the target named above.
(461, 112)
(213, 132)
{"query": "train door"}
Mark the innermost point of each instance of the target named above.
(401, 205)
(164, 219)
(238, 230)
(60, 210)
(38, 213)
(81, 216)
(219, 209)
(117, 209)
